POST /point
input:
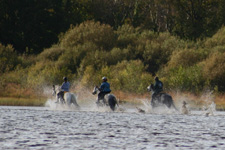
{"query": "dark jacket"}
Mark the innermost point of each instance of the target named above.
(105, 87)
(158, 86)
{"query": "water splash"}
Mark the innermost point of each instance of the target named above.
(158, 110)
(209, 106)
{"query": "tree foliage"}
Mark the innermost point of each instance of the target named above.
(129, 54)
(31, 25)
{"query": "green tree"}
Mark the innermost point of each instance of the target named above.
(8, 58)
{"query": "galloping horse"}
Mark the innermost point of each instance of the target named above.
(70, 98)
(109, 99)
(161, 99)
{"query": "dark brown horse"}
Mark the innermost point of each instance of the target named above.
(161, 99)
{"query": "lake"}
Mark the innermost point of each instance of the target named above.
(91, 129)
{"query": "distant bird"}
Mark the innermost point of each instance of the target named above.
(140, 110)
(207, 114)
(184, 108)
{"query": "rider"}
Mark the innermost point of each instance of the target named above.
(158, 87)
(64, 88)
(104, 89)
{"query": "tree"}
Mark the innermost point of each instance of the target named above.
(194, 17)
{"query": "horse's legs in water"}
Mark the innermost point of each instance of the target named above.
(168, 101)
(154, 100)
(101, 96)
(60, 97)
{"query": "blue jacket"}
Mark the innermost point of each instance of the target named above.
(158, 87)
(105, 87)
(65, 86)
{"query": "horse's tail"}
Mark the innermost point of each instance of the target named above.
(112, 101)
(74, 100)
(174, 107)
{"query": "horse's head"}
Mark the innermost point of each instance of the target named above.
(55, 89)
(150, 88)
(95, 90)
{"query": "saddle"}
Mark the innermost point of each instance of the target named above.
(159, 94)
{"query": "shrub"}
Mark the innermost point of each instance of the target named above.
(186, 79)
(46, 73)
(126, 76)
(8, 58)
(157, 52)
(217, 40)
(214, 70)
(100, 34)
(126, 35)
(51, 54)
(186, 58)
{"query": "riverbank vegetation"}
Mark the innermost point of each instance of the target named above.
(129, 53)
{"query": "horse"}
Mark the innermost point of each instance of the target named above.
(161, 99)
(70, 98)
(109, 100)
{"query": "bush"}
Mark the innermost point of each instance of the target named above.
(128, 76)
(8, 58)
(51, 54)
(47, 73)
(100, 34)
(126, 35)
(186, 58)
(186, 79)
(217, 40)
(214, 70)
(158, 51)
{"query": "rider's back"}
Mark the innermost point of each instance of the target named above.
(105, 87)
(158, 87)
(65, 86)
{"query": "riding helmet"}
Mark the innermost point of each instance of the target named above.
(104, 78)
(156, 78)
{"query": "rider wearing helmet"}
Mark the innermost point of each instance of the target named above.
(104, 89)
(64, 88)
(158, 87)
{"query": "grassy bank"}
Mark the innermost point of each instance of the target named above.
(194, 102)
(11, 101)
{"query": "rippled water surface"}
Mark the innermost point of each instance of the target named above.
(45, 128)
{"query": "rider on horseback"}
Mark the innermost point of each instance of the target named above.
(64, 88)
(158, 87)
(104, 89)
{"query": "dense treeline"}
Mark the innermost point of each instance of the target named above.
(130, 57)
(31, 25)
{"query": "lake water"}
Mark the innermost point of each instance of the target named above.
(52, 127)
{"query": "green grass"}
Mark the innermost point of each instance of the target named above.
(11, 101)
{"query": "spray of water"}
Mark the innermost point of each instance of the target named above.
(208, 100)
(87, 103)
